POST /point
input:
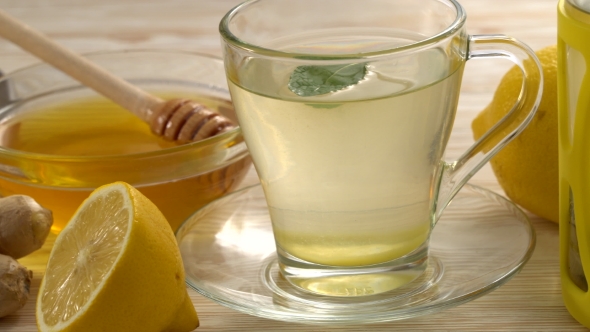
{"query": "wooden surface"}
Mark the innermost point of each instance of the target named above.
(529, 302)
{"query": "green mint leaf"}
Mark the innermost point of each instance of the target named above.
(308, 81)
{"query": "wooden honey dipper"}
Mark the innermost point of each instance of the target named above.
(179, 120)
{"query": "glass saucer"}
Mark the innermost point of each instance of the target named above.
(479, 243)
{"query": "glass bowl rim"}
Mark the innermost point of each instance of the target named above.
(229, 135)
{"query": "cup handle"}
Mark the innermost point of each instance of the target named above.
(455, 174)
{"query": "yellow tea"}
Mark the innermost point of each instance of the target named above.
(97, 128)
(349, 175)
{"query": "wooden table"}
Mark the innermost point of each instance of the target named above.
(529, 302)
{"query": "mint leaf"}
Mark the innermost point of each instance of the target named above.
(318, 80)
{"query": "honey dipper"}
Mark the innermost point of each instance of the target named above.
(179, 120)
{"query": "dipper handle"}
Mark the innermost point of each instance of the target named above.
(179, 120)
(86, 72)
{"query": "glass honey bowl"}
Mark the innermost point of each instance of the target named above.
(60, 140)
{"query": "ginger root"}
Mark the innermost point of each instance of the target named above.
(15, 281)
(24, 225)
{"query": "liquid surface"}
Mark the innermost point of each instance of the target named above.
(349, 176)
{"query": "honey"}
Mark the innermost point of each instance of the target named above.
(115, 145)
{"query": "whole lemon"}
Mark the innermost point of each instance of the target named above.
(527, 168)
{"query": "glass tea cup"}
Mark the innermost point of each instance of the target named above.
(346, 108)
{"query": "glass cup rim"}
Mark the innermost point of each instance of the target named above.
(233, 40)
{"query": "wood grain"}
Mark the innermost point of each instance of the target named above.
(531, 301)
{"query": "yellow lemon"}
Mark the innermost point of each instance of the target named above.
(115, 267)
(527, 168)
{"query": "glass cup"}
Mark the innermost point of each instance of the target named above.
(346, 108)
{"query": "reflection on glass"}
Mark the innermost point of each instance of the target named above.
(574, 263)
(581, 4)
(251, 240)
(576, 69)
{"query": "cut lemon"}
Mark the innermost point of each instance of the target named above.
(115, 267)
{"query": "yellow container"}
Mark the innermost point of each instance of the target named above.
(574, 155)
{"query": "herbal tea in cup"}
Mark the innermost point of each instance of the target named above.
(347, 117)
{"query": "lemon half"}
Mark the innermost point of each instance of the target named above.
(115, 267)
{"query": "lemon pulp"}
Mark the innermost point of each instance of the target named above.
(84, 258)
